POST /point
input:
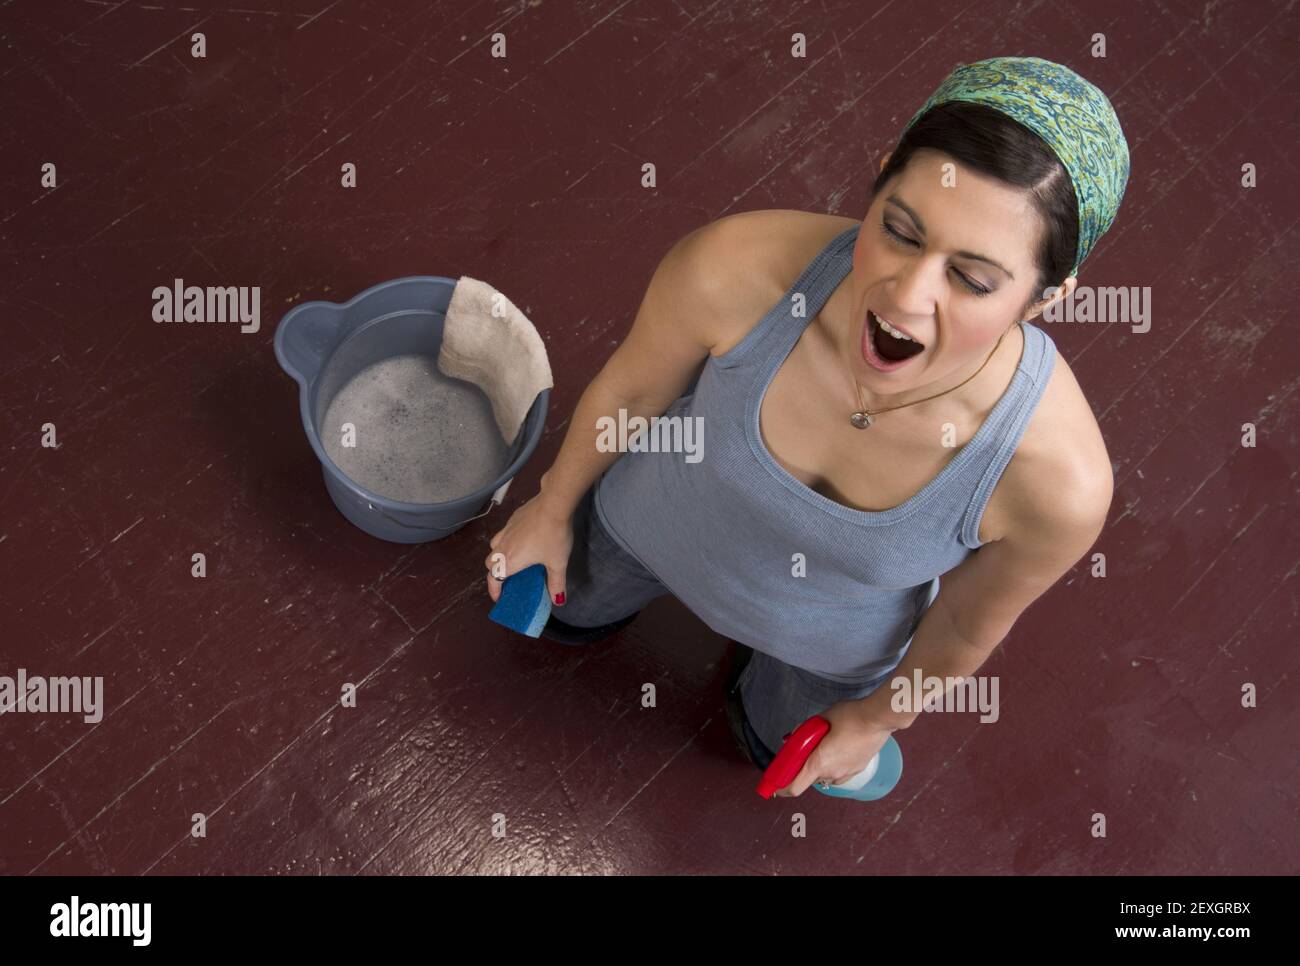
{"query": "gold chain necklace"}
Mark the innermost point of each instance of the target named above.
(865, 417)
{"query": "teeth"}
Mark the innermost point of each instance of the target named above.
(893, 331)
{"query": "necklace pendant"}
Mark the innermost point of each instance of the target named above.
(861, 420)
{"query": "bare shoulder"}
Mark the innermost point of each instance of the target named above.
(1059, 480)
(758, 255)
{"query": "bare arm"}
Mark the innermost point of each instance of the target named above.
(675, 328)
(980, 600)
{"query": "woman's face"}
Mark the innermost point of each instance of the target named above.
(946, 255)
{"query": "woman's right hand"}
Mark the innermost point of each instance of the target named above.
(535, 533)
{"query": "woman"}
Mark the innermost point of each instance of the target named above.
(891, 416)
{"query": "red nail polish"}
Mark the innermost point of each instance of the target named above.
(559, 598)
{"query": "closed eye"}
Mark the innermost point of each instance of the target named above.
(904, 240)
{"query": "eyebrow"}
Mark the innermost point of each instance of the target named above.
(895, 200)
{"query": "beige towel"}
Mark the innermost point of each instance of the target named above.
(486, 340)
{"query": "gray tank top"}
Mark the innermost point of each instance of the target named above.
(722, 533)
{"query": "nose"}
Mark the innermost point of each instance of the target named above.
(917, 291)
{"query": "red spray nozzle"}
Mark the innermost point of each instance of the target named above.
(794, 752)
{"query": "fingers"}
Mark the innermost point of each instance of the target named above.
(496, 566)
(555, 586)
(807, 775)
(498, 571)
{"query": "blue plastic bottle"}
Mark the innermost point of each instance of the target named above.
(874, 782)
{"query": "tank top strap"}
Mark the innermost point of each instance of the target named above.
(779, 328)
(1007, 422)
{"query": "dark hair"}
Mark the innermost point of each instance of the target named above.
(994, 144)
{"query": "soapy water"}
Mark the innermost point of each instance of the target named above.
(421, 436)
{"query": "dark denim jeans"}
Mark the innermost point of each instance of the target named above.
(757, 750)
(605, 584)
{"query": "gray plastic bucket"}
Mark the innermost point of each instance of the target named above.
(324, 344)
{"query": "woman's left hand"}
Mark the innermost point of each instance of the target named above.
(846, 750)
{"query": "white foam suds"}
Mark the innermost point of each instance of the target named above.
(421, 436)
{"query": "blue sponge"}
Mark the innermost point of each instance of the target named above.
(525, 603)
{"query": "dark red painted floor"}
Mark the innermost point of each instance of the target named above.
(222, 693)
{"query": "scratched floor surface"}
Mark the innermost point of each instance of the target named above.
(222, 693)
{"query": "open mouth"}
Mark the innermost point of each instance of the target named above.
(886, 347)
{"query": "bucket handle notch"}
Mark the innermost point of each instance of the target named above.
(497, 498)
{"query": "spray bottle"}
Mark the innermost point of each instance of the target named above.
(875, 781)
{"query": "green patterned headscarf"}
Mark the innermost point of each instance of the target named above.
(1070, 114)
